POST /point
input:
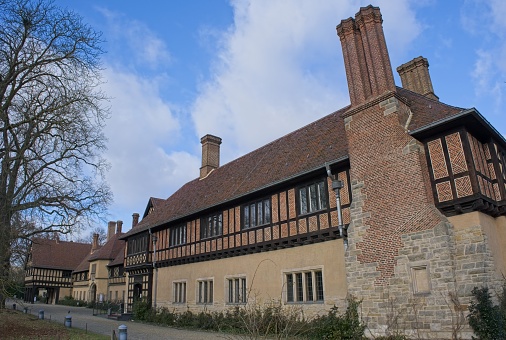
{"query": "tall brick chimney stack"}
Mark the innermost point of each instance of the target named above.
(111, 229)
(94, 243)
(210, 154)
(366, 60)
(119, 226)
(135, 219)
(415, 77)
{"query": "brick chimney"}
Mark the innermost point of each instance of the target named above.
(210, 154)
(111, 228)
(415, 77)
(94, 243)
(119, 226)
(366, 60)
(135, 219)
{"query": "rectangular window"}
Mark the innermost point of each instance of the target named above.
(312, 197)
(177, 235)
(179, 292)
(304, 286)
(237, 290)
(205, 291)
(211, 226)
(256, 213)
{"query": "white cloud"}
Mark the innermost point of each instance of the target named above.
(143, 45)
(141, 121)
(280, 67)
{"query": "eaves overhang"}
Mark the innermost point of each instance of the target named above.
(471, 119)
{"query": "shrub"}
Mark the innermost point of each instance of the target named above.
(142, 311)
(486, 319)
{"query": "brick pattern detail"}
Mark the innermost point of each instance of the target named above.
(275, 232)
(251, 237)
(259, 235)
(244, 239)
(267, 234)
(274, 207)
(491, 171)
(313, 223)
(303, 226)
(284, 230)
(345, 193)
(283, 212)
(237, 219)
(293, 228)
(324, 221)
(463, 186)
(291, 204)
(332, 201)
(444, 191)
(334, 219)
(456, 153)
(226, 222)
(346, 216)
(437, 159)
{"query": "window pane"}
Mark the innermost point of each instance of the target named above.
(205, 291)
(246, 217)
(267, 211)
(210, 291)
(322, 195)
(220, 224)
(243, 290)
(236, 290)
(299, 286)
(319, 285)
(302, 201)
(312, 194)
(289, 287)
(230, 290)
(253, 215)
(309, 286)
(260, 213)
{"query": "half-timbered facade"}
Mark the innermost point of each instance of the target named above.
(48, 276)
(395, 198)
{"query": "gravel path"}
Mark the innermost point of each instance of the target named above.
(84, 319)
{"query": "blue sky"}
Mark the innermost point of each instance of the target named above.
(251, 71)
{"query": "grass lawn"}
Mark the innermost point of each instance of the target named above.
(16, 325)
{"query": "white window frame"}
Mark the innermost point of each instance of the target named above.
(204, 294)
(306, 285)
(236, 289)
(179, 289)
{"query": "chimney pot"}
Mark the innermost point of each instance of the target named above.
(415, 77)
(135, 219)
(210, 154)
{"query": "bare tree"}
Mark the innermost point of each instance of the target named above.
(51, 119)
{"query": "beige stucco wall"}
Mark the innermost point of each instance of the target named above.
(101, 278)
(493, 228)
(264, 273)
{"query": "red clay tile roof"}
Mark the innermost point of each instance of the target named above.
(84, 266)
(58, 255)
(426, 110)
(303, 150)
(120, 257)
(110, 249)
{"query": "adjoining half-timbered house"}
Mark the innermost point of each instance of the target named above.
(395, 198)
(48, 276)
(100, 276)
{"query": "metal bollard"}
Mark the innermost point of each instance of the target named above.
(68, 321)
(41, 314)
(14, 306)
(122, 332)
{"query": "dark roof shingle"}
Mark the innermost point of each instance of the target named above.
(58, 254)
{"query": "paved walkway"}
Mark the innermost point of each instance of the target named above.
(83, 318)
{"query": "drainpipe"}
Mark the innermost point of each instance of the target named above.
(155, 268)
(337, 185)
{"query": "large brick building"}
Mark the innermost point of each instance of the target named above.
(398, 199)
